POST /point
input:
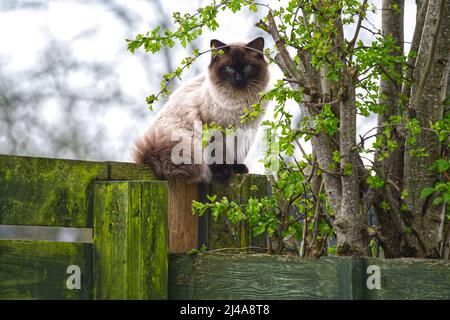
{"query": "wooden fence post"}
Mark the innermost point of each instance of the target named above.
(183, 225)
(222, 233)
(130, 240)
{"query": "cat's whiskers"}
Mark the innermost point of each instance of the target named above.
(252, 88)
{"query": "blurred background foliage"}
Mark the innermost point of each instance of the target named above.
(68, 86)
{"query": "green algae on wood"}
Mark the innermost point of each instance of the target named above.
(130, 240)
(223, 233)
(129, 171)
(39, 270)
(47, 192)
(55, 192)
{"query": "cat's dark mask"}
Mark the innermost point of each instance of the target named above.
(238, 64)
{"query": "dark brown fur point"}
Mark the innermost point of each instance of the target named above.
(155, 149)
(238, 56)
(223, 172)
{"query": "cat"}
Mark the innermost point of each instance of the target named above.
(236, 75)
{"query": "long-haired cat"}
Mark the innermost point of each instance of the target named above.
(235, 77)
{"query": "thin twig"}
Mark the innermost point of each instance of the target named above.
(358, 27)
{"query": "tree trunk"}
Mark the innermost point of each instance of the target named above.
(390, 169)
(350, 221)
(426, 105)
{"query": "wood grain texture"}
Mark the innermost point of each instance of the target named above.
(183, 225)
(410, 279)
(38, 269)
(244, 276)
(130, 240)
(129, 171)
(253, 276)
(47, 192)
(55, 192)
(222, 233)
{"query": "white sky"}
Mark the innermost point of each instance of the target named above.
(23, 34)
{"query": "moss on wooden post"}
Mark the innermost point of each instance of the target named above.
(129, 221)
(130, 240)
(222, 233)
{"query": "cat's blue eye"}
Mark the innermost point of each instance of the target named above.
(229, 69)
(248, 68)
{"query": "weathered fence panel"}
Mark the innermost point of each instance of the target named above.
(47, 192)
(55, 192)
(40, 270)
(130, 240)
(127, 258)
(255, 276)
(411, 279)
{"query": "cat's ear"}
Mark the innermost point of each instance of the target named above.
(257, 44)
(217, 47)
(217, 44)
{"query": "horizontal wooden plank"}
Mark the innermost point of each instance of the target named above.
(39, 270)
(244, 276)
(55, 192)
(129, 171)
(256, 276)
(409, 279)
(40, 191)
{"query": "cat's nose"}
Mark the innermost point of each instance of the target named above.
(239, 78)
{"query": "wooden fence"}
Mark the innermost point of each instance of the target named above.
(129, 212)
(137, 224)
(257, 276)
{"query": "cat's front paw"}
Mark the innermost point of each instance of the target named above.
(240, 168)
(221, 172)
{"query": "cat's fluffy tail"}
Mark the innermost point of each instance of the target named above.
(155, 149)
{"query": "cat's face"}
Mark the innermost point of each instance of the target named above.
(241, 66)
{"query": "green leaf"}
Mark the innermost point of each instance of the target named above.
(441, 165)
(348, 170)
(426, 192)
(375, 181)
(193, 252)
(446, 197)
(385, 206)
